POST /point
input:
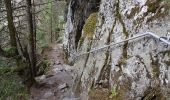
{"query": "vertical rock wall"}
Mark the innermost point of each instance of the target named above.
(78, 11)
(136, 69)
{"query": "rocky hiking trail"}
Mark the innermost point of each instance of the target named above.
(57, 83)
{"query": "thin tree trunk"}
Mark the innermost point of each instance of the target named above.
(35, 32)
(32, 44)
(11, 26)
(51, 21)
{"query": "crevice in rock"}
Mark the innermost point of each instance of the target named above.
(79, 33)
(125, 32)
(165, 53)
(155, 65)
(119, 18)
(105, 71)
(153, 94)
(142, 61)
(104, 77)
(86, 7)
(77, 87)
(134, 11)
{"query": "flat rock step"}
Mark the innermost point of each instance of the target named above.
(71, 98)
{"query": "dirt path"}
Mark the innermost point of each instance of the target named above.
(56, 85)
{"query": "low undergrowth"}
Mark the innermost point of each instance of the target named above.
(11, 86)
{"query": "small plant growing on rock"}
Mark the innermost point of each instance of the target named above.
(121, 61)
(167, 63)
(81, 41)
(113, 92)
(43, 67)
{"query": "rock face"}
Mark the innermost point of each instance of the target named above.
(78, 11)
(136, 69)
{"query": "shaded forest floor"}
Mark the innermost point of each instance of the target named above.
(57, 83)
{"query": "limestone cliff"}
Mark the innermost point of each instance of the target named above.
(77, 13)
(133, 70)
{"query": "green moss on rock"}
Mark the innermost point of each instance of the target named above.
(121, 61)
(153, 93)
(90, 25)
(155, 70)
(166, 52)
(81, 41)
(113, 92)
(167, 63)
(134, 10)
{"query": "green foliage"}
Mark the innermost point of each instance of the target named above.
(43, 26)
(166, 1)
(2, 63)
(113, 92)
(154, 7)
(40, 35)
(11, 87)
(41, 41)
(90, 25)
(167, 63)
(89, 46)
(51, 23)
(121, 61)
(81, 41)
(165, 52)
(10, 50)
(155, 70)
(43, 67)
(4, 70)
(92, 92)
(46, 13)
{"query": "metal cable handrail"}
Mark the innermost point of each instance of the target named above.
(132, 38)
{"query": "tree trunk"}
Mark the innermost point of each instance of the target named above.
(11, 26)
(34, 22)
(31, 47)
(51, 22)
